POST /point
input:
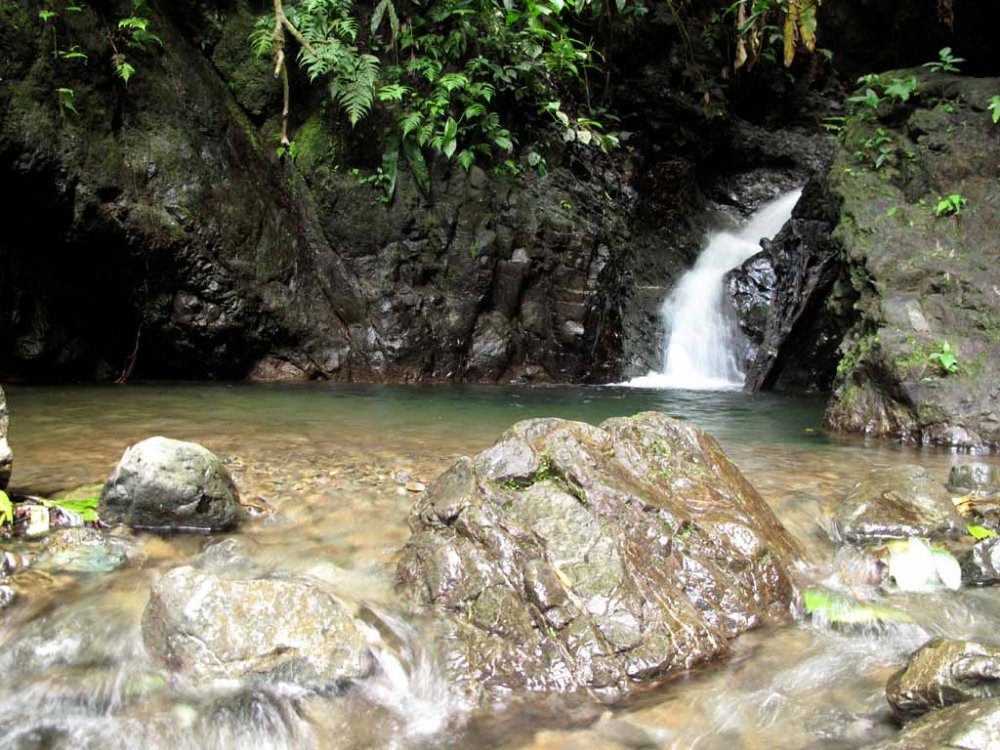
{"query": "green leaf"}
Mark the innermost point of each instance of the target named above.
(450, 129)
(504, 142)
(392, 92)
(448, 148)
(6, 510)
(994, 108)
(466, 159)
(980, 532)
(838, 609)
(85, 507)
(418, 165)
(124, 71)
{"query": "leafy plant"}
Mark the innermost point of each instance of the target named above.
(760, 24)
(946, 62)
(132, 33)
(945, 358)
(86, 507)
(67, 99)
(994, 108)
(951, 205)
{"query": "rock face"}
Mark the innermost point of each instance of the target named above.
(217, 626)
(925, 277)
(6, 457)
(981, 565)
(941, 673)
(170, 485)
(792, 302)
(896, 503)
(572, 558)
(970, 726)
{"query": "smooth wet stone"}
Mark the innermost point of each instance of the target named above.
(220, 625)
(974, 725)
(6, 456)
(82, 550)
(896, 503)
(569, 558)
(975, 477)
(170, 485)
(943, 672)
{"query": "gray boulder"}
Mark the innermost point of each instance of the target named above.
(219, 626)
(896, 503)
(970, 726)
(6, 457)
(170, 485)
(975, 477)
(569, 558)
(943, 672)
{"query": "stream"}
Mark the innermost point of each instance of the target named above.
(341, 467)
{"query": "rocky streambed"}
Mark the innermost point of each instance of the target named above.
(612, 582)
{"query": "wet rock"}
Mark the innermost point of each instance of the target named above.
(974, 725)
(908, 267)
(219, 625)
(981, 565)
(170, 485)
(943, 672)
(571, 558)
(896, 503)
(975, 477)
(6, 457)
(788, 302)
(82, 550)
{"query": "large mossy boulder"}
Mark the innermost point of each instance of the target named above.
(6, 457)
(170, 485)
(970, 726)
(569, 558)
(943, 672)
(896, 503)
(220, 625)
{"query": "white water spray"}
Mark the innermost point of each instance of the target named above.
(702, 341)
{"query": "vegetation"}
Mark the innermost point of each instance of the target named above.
(944, 358)
(951, 205)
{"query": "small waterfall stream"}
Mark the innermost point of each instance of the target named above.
(702, 341)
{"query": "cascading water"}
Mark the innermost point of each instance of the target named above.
(702, 341)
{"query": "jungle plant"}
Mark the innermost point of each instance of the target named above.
(950, 206)
(131, 33)
(791, 23)
(946, 62)
(994, 108)
(945, 358)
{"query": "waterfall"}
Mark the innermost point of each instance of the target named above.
(702, 342)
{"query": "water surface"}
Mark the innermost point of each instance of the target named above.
(333, 462)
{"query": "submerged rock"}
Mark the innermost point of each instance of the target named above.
(974, 725)
(6, 457)
(82, 550)
(896, 503)
(943, 672)
(219, 626)
(572, 558)
(170, 485)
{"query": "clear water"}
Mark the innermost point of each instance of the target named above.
(703, 347)
(328, 460)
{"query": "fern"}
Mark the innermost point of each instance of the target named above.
(354, 88)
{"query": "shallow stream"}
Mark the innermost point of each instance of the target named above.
(334, 462)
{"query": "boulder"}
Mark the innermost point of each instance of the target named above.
(943, 672)
(974, 725)
(6, 457)
(221, 625)
(569, 558)
(981, 564)
(170, 485)
(896, 503)
(975, 477)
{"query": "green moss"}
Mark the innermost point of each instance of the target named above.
(315, 144)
